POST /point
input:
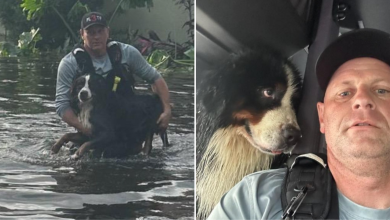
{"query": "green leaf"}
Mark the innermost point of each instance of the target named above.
(7, 49)
(158, 58)
(33, 8)
(27, 41)
(77, 11)
(190, 53)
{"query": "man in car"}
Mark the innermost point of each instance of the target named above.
(95, 35)
(354, 72)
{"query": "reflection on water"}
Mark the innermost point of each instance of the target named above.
(37, 185)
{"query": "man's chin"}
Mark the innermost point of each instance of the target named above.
(98, 50)
(363, 146)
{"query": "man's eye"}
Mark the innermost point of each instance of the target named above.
(382, 91)
(346, 93)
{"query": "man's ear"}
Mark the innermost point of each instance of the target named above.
(320, 111)
(81, 33)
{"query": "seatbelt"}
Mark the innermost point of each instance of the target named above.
(327, 32)
(309, 190)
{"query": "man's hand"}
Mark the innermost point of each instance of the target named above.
(86, 131)
(163, 121)
(160, 87)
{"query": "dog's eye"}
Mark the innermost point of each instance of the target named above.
(268, 92)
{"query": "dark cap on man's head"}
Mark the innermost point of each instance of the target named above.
(93, 18)
(354, 44)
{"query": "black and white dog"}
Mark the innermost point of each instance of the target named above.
(245, 115)
(120, 126)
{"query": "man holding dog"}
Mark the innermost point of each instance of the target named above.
(354, 72)
(95, 34)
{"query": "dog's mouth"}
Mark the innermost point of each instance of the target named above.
(82, 100)
(283, 149)
(84, 97)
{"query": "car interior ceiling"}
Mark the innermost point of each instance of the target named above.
(300, 29)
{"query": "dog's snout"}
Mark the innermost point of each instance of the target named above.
(84, 96)
(291, 134)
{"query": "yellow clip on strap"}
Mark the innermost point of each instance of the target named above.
(116, 81)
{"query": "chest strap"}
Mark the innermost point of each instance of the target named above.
(120, 77)
(84, 61)
(309, 190)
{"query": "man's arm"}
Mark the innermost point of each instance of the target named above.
(160, 87)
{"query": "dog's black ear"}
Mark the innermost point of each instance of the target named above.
(72, 89)
(76, 76)
(74, 104)
(212, 92)
(74, 100)
(297, 96)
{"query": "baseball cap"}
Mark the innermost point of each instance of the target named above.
(354, 44)
(92, 18)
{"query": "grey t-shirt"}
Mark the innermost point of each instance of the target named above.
(68, 68)
(257, 196)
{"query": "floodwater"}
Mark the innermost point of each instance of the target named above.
(34, 184)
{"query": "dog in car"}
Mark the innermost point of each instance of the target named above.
(120, 126)
(245, 116)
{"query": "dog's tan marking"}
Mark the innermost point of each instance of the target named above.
(250, 115)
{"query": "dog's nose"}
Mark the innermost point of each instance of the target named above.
(84, 95)
(291, 134)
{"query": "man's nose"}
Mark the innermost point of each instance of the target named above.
(363, 100)
(96, 35)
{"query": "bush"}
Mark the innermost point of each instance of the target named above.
(13, 19)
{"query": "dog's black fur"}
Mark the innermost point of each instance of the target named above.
(245, 112)
(119, 125)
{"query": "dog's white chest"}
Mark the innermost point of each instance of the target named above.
(85, 115)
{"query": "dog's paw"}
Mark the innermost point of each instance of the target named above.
(56, 147)
(75, 156)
